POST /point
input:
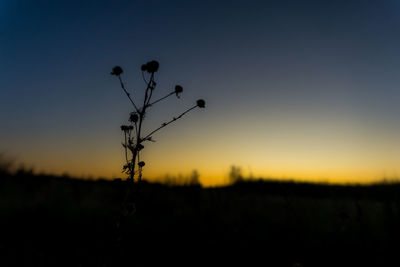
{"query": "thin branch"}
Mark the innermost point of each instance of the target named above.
(127, 93)
(162, 98)
(126, 152)
(151, 94)
(153, 85)
(147, 94)
(136, 129)
(167, 123)
(144, 78)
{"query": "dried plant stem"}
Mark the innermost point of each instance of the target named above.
(126, 150)
(167, 123)
(135, 152)
(127, 93)
(162, 98)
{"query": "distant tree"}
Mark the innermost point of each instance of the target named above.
(134, 138)
(194, 178)
(235, 174)
(22, 170)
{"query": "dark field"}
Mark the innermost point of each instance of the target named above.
(50, 221)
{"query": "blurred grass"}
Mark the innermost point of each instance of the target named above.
(49, 221)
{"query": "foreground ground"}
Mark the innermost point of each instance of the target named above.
(50, 221)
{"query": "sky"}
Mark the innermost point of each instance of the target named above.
(304, 90)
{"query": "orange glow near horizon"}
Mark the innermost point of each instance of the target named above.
(217, 175)
(333, 151)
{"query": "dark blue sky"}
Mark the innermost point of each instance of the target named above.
(289, 85)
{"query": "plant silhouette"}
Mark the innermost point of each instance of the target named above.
(134, 138)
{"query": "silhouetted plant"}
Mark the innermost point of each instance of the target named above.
(235, 175)
(133, 136)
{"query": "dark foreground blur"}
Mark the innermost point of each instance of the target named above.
(53, 221)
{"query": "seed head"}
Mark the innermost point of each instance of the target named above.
(151, 66)
(117, 70)
(201, 103)
(141, 164)
(178, 90)
(133, 117)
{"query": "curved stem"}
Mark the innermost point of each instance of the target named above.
(151, 93)
(144, 79)
(167, 123)
(162, 98)
(126, 151)
(146, 95)
(127, 93)
(140, 168)
(136, 129)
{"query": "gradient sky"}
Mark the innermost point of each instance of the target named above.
(294, 89)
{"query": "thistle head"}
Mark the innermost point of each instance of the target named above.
(117, 70)
(201, 103)
(150, 67)
(124, 128)
(133, 117)
(178, 90)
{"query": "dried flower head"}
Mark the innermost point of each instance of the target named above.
(141, 164)
(151, 66)
(124, 128)
(117, 70)
(133, 117)
(178, 90)
(201, 103)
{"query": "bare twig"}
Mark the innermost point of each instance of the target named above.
(167, 123)
(162, 98)
(127, 93)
